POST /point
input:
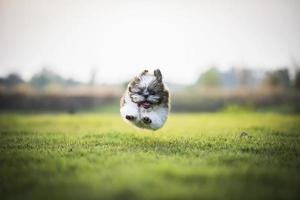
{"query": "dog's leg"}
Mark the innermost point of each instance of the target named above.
(129, 112)
(147, 120)
(155, 119)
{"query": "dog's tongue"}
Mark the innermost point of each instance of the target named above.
(146, 104)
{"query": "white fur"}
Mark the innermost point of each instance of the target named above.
(147, 79)
(158, 115)
(129, 108)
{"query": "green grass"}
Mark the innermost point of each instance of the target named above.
(195, 156)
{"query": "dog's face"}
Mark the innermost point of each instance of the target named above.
(147, 89)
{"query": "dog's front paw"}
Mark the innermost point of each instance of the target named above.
(130, 117)
(147, 120)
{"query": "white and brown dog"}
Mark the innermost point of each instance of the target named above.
(145, 102)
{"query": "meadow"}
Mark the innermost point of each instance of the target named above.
(243, 155)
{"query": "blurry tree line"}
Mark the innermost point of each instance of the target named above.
(233, 78)
(243, 77)
(213, 91)
(39, 80)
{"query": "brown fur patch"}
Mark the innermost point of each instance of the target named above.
(134, 83)
(144, 72)
(166, 99)
(156, 86)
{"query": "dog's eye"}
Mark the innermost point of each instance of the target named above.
(139, 93)
(151, 92)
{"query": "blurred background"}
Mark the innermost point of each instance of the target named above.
(77, 56)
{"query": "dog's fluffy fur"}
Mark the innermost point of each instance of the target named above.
(145, 102)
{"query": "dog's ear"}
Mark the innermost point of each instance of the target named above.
(143, 72)
(158, 74)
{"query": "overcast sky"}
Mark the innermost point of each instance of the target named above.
(120, 38)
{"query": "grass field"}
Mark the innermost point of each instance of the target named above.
(195, 156)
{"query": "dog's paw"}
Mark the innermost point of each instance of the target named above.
(147, 120)
(130, 117)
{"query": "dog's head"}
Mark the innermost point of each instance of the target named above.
(147, 89)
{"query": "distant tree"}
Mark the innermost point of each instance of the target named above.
(12, 80)
(93, 76)
(245, 77)
(71, 82)
(278, 78)
(229, 78)
(297, 80)
(44, 78)
(210, 78)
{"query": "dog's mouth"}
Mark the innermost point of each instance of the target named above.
(146, 104)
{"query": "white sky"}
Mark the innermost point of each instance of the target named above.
(120, 38)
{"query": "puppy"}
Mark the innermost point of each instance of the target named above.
(145, 102)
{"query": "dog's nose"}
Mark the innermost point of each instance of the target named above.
(146, 96)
